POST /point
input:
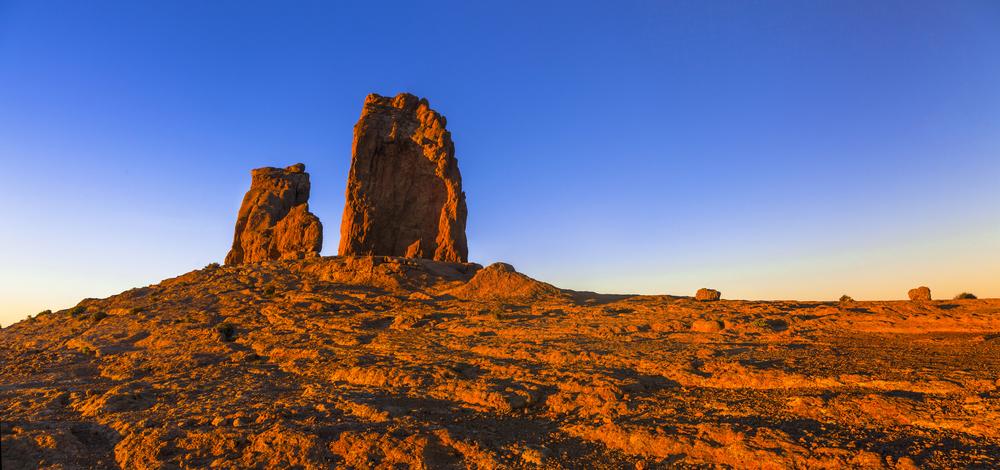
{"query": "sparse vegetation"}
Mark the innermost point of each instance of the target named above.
(78, 310)
(98, 316)
(846, 298)
(965, 296)
(212, 266)
(43, 313)
(136, 310)
(226, 331)
(269, 290)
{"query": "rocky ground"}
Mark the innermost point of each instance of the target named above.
(389, 362)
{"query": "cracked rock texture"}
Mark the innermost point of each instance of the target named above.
(274, 221)
(404, 191)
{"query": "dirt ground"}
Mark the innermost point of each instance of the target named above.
(396, 363)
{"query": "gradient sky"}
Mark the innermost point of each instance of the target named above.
(771, 150)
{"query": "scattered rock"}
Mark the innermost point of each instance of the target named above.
(404, 191)
(274, 221)
(707, 295)
(707, 326)
(920, 293)
(354, 372)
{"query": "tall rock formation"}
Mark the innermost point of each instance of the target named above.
(404, 192)
(274, 221)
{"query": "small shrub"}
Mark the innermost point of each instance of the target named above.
(846, 298)
(43, 313)
(226, 331)
(212, 266)
(98, 316)
(78, 310)
(965, 295)
(269, 290)
(136, 310)
(760, 323)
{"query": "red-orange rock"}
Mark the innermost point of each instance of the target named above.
(500, 281)
(404, 191)
(274, 220)
(920, 293)
(707, 295)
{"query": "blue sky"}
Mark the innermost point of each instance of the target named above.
(771, 150)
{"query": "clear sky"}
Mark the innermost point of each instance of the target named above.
(771, 150)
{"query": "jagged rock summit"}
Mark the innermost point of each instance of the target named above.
(404, 191)
(274, 221)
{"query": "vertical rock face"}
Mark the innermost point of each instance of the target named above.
(404, 191)
(274, 221)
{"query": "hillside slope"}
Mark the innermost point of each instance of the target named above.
(375, 362)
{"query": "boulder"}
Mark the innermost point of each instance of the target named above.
(404, 190)
(707, 295)
(920, 293)
(274, 221)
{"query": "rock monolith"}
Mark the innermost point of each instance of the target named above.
(274, 221)
(404, 190)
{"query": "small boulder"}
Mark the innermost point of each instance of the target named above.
(707, 295)
(920, 293)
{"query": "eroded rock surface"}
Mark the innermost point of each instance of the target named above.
(274, 221)
(707, 295)
(404, 191)
(920, 293)
(374, 362)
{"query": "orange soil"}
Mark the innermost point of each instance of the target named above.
(387, 362)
